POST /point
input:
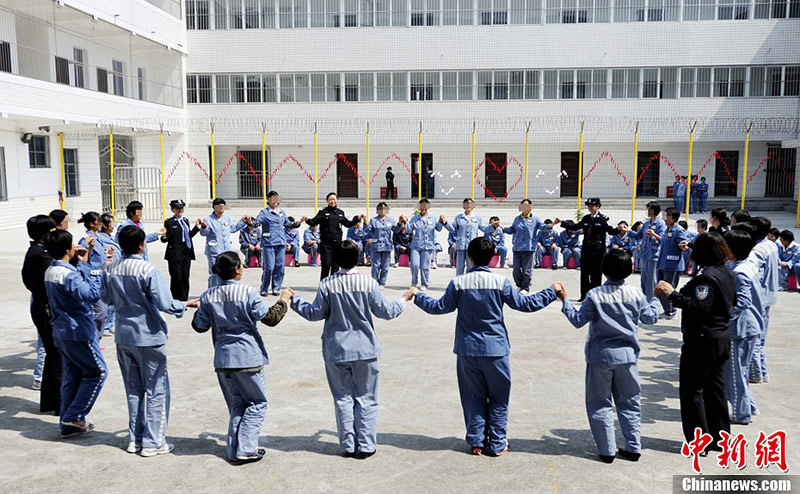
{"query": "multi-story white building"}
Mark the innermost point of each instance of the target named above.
(275, 69)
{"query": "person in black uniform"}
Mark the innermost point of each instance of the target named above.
(330, 221)
(180, 251)
(390, 184)
(706, 302)
(37, 260)
(595, 227)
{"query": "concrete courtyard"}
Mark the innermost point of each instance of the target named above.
(420, 441)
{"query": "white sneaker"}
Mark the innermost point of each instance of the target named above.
(423, 289)
(383, 287)
(164, 449)
(523, 292)
(134, 447)
(37, 385)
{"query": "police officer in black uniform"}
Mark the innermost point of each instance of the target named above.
(330, 219)
(180, 251)
(595, 227)
(707, 303)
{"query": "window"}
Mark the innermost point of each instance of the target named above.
(204, 89)
(223, 88)
(618, 83)
(733, 9)
(37, 152)
(484, 85)
(599, 78)
(254, 90)
(792, 87)
(633, 83)
(526, 11)
(651, 83)
(566, 78)
(268, 14)
(141, 82)
(191, 88)
(583, 85)
(669, 83)
(761, 9)
(220, 14)
(399, 86)
(424, 86)
(757, 77)
(317, 87)
(5, 56)
(287, 88)
(324, 13)
(517, 86)
(3, 178)
(367, 13)
(425, 12)
(62, 70)
(687, 82)
(501, 85)
(737, 82)
(102, 80)
(301, 88)
(334, 87)
(774, 81)
(79, 58)
(270, 88)
(703, 89)
(465, 85)
(382, 13)
(235, 14)
(399, 13)
(251, 14)
(71, 173)
(493, 12)
(366, 86)
(384, 89)
(550, 84)
(350, 13)
(117, 73)
(285, 12)
(197, 14)
(794, 9)
(351, 87)
(237, 88)
(449, 86)
(721, 80)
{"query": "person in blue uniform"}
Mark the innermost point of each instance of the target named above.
(788, 257)
(702, 195)
(250, 244)
(465, 226)
(671, 262)
(676, 187)
(423, 227)
(180, 249)
(346, 301)
(495, 232)
(613, 312)
(524, 230)
(452, 248)
(36, 262)
(293, 243)
(274, 221)
(402, 239)
(105, 239)
(358, 234)
(694, 196)
(682, 191)
(381, 230)
(622, 240)
(747, 322)
(568, 241)
(98, 256)
(134, 213)
(71, 291)
(652, 229)
(232, 311)
(217, 228)
(547, 244)
(311, 243)
(636, 246)
(481, 343)
(139, 292)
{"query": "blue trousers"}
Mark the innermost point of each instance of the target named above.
(569, 252)
(312, 250)
(649, 277)
(620, 382)
(484, 384)
(40, 355)
(671, 277)
(551, 250)
(83, 373)
(451, 252)
(758, 366)
(420, 263)
(523, 263)
(273, 259)
(144, 373)
(109, 325)
(737, 381)
(502, 251)
(213, 280)
(461, 262)
(246, 396)
(703, 204)
(637, 260)
(381, 260)
(354, 386)
(294, 253)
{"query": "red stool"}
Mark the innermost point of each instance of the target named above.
(572, 264)
(319, 260)
(289, 260)
(792, 285)
(403, 262)
(495, 262)
(547, 261)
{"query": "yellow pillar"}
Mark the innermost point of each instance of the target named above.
(113, 185)
(213, 167)
(635, 170)
(264, 163)
(746, 156)
(163, 185)
(580, 168)
(368, 176)
(473, 162)
(527, 132)
(689, 176)
(62, 202)
(419, 164)
(316, 184)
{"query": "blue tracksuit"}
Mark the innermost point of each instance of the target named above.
(360, 237)
(702, 195)
(233, 310)
(402, 243)
(149, 238)
(218, 239)
(622, 241)
(570, 247)
(548, 239)
(676, 201)
(747, 321)
(140, 292)
(765, 256)
(293, 240)
(70, 293)
(671, 262)
(381, 232)
(791, 257)
(97, 257)
(649, 253)
(465, 229)
(499, 240)
(681, 199)
(248, 237)
(613, 312)
(105, 240)
(274, 223)
(311, 236)
(346, 301)
(482, 347)
(423, 245)
(524, 231)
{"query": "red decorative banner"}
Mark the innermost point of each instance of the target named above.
(185, 154)
(499, 169)
(347, 162)
(786, 173)
(396, 157)
(656, 157)
(283, 162)
(606, 154)
(237, 154)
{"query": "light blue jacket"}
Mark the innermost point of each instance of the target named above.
(671, 256)
(525, 231)
(496, 234)
(381, 231)
(310, 235)
(423, 231)
(624, 242)
(70, 293)
(567, 240)
(218, 233)
(105, 240)
(273, 227)
(547, 237)
(149, 237)
(613, 311)
(747, 318)
(346, 301)
(649, 247)
(465, 229)
(139, 293)
(765, 256)
(479, 296)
